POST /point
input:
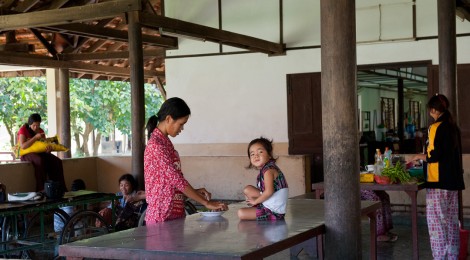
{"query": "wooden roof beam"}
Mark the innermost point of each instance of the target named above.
(211, 34)
(69, 15)
(18, 59)
(107, 55)
(92, 31)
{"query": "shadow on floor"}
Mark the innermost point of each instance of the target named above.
(399, 250)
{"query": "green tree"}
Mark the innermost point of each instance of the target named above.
(97, 108)
(101, 107)
(20, 97)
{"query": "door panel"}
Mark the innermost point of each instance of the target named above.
(304, 113)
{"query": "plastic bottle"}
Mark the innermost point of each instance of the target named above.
(379, 164)
(387, 157)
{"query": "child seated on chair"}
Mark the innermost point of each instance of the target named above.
(128, 207)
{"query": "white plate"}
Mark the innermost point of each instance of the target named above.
(211, 213)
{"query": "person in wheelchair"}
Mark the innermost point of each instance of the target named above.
(129, 206)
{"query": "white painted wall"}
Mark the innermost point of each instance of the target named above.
(235, 98)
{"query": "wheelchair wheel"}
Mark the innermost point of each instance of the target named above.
(11, 233)
(189, 208)
(83, 224)
(54, 222)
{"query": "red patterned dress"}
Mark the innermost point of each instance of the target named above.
(164, 181)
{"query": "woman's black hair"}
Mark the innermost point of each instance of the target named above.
(128, 177)
(266, 143)
(440, 103)
(33, 118)
(174, 107)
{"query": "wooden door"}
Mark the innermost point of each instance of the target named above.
(305, 120)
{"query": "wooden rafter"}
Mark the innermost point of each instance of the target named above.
(107, 55)
(68, 15)
(33, 61)
(211, 34)
(92, 31)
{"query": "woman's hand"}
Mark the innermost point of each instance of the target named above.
(417, 157)
(48, 149)
(140, 195)
(204, 193)
(217, 205)
(251, 202)
(39, 136)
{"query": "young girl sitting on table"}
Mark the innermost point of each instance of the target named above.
(268, 200)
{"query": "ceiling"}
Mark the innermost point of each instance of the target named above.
(98, 48)
(414, 79)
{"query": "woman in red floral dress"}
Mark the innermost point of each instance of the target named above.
(165, 185)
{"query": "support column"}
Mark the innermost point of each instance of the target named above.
(136, 62)
(64, 112)
(448, 61)
(401, 110)
(340, 133)
(447, 52)
(52, 88)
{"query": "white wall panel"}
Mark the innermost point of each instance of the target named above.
(301, 23)
(203, 12)
(258, 19)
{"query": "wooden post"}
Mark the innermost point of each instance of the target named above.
(401, 110)
(136, 62)
(447, 52)
(340, 133)
(448, 62)
(64, 100)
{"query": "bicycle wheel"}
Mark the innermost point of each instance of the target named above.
(10, 234)
(83, 224)
(142, 219)
(54, 222)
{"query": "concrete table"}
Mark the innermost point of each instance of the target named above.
(197, 237)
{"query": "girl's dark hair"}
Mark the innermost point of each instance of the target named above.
(33, 118)
(128, 177)
(174, 107)
(440, 103)
(266, 143)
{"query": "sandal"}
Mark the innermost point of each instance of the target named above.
(393, 236)
(390, 237)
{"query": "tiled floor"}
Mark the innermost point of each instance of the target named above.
(400, 249)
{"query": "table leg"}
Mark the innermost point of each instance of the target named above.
(373, 234)
(318, 193)
(414, 222)
(320, 247)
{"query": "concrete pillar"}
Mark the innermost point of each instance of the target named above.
(52, 92)
(58, 107)
(340, 130)
(447, 52)
(63, 97)
(136, 62)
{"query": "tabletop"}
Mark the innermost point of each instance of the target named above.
(208, 237)
(199, 237)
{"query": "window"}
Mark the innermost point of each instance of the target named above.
(415, 113)
(388, 112)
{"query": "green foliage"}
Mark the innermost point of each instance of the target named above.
(99, 107)
(397, 173)
(20, 97)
